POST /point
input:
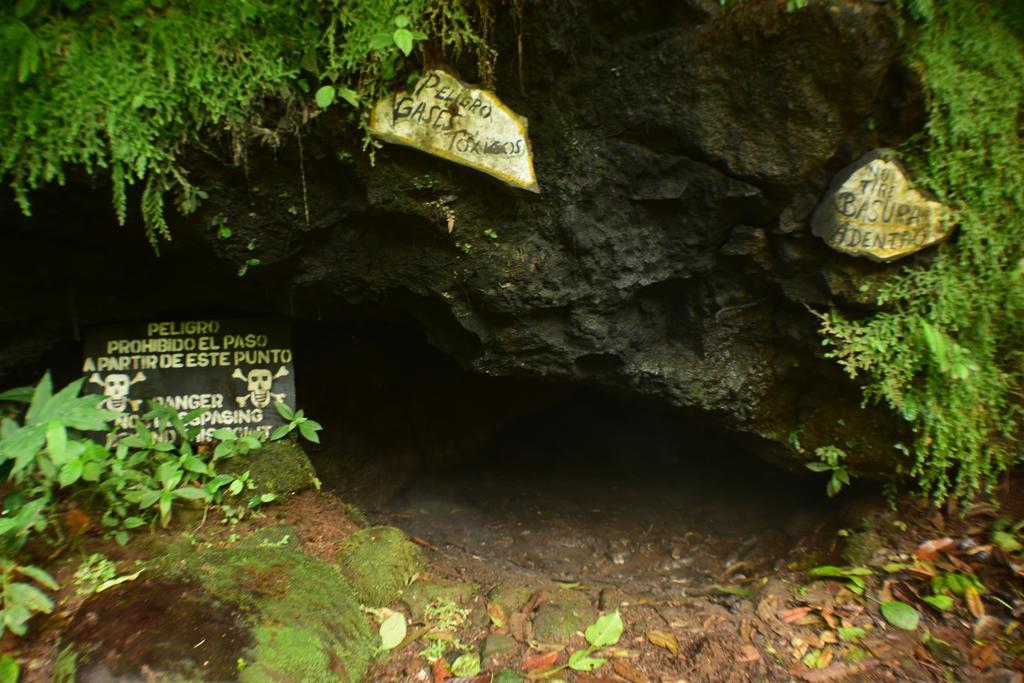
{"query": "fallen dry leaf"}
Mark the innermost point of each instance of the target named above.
(929, 550)
(540, 661)
(974, 603)
(497, 614)
(984, 657)
(748, 654)
(440, 670)
(834, 672)
(623, 669)
(664, 639)
(791, 615)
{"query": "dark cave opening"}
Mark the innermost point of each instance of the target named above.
(539, 477)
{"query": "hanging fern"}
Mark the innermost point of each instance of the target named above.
(947, 352)
(125, 87)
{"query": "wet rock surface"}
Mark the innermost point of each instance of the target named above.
(158, 628)
(258, 612)
(681, 151)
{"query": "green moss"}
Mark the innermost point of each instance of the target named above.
(562, 615)
(860, 547)
(279, 536)
(421, 593)
(510, 596)
(126, 87)
(380, 562)
(279, 467)
(305, 619)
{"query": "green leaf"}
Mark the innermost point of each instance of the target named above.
(9, 669)
(392, 631)
(23, 8)
(309, 429)
(280, 432)
(466, 665)
(192, 493)
(381, 41)
(605, 631)
(840, 572)
(166, 500)
(901, 615)
(40, 395)
(22, 446)
(402, 21)
(582, 661)
(284, 410)
(403, 39)
(38, 575)
(194, 464)
(942, 602)
(236, 487)
(15, 617)
(818, 466)
(349, 95)
(268, 497)
(1007, 541)
(17, 395)
(134, 522)
(145, 499)
(224, 434)
(71, 472)
(325, 96)
(850, 634)
(508, 676)
(28, 596)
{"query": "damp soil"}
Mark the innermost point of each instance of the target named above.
(597, 491)
(664, 530)
(201, 636)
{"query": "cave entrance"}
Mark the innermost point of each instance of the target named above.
(525, 477)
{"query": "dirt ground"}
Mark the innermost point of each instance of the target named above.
(712, 576)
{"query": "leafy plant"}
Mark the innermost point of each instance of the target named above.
(944, 351)
(830, 460)
(854, 576)
(296, 420)
(136, 479)
(22, 599)
(443, 617)
(173, 75)
(603, 633)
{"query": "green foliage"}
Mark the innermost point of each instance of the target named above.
(901, 615)
(945, 351)
(22, 599)
(126, 87)
(854, 576)
(296, 420)
(830, 460)
(136, 480)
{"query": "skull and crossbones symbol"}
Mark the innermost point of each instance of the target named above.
(259, 383)
(116, 387)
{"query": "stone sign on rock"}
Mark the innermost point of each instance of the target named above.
(235, 369)
(872, 210)
(443, 116)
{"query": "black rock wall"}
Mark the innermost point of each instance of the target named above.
(680, 151)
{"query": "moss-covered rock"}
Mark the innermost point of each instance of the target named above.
(253, 614)
(279, 467)
(418, 596)
(562, 615)
(278, 536)
(511, 597)
(380, 562)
